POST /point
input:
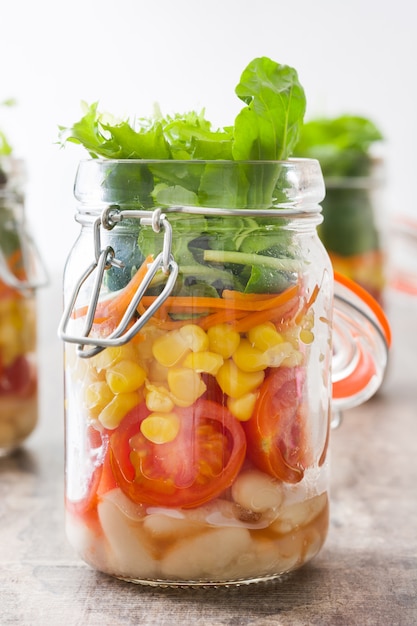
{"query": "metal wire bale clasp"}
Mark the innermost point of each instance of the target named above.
(104, 259)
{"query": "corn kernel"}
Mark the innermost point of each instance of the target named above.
(111, 416)
(160, 427)
(236, 383)
(170, 349)
(185, 385)
(306, 336)
(195, 337)
(277, 354)
(158, 399)
(150, 335)
(112, 355)
(97, 395)
(264, 336)
(248, 358)
(291, 335)
(208, 362)
(294, 359)
(223, 339)
(125, 376)
(242, 408)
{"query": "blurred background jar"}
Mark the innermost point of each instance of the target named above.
(353, 230)
(21, 272)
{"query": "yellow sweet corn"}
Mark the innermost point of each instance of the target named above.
(306, 336)
(110, 356)
(264, 336)
(209, 362)
(150, 334)
(125, 376)
(158, 399)
(294, 359)
(235, 382)
(160, 427)
(249, 358)
(242, 408)
(195, 337)
(111, 416)
(170, 349)
(97, 395)
(276, 355)
(292, 334)
(223, 339)
(185, 386)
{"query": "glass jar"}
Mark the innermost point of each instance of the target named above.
(198, 351)
(20, 274)
(353, 230)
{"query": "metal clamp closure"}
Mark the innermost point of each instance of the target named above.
(104, 259)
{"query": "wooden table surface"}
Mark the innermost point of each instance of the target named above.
(365, 575)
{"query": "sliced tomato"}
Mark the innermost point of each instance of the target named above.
(275, 433)
(201, 462)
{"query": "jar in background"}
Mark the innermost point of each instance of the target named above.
(19, 277)
(353, 228)
(198, 352)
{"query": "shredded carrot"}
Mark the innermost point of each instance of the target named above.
(242, 310)
(222, 317)
(113, 308)
(308, 304)
(277, 314)
(248, 297)
(241, 302)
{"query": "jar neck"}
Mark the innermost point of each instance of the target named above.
(290, 218)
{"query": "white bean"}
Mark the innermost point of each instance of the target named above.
(209, 556)
(256, 491)
(84, 540)
(162, 527)
(299, 514)
(128, 553)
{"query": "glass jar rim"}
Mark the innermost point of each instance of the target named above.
(213, 183)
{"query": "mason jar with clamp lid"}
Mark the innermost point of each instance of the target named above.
(200, 340)
(21, 273)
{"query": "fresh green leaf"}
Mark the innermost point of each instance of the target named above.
(189, 163)
(268, 127)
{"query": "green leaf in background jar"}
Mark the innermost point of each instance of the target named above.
(348, 226)
(341, 144)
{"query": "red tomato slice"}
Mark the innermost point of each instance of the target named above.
(201, 462)
(275, 433)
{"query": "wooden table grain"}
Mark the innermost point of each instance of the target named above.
(366, 574)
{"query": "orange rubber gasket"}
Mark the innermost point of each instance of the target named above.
(358, 379)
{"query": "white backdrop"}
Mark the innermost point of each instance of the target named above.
(357, 56)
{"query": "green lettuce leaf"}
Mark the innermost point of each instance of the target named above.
(210, 168)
